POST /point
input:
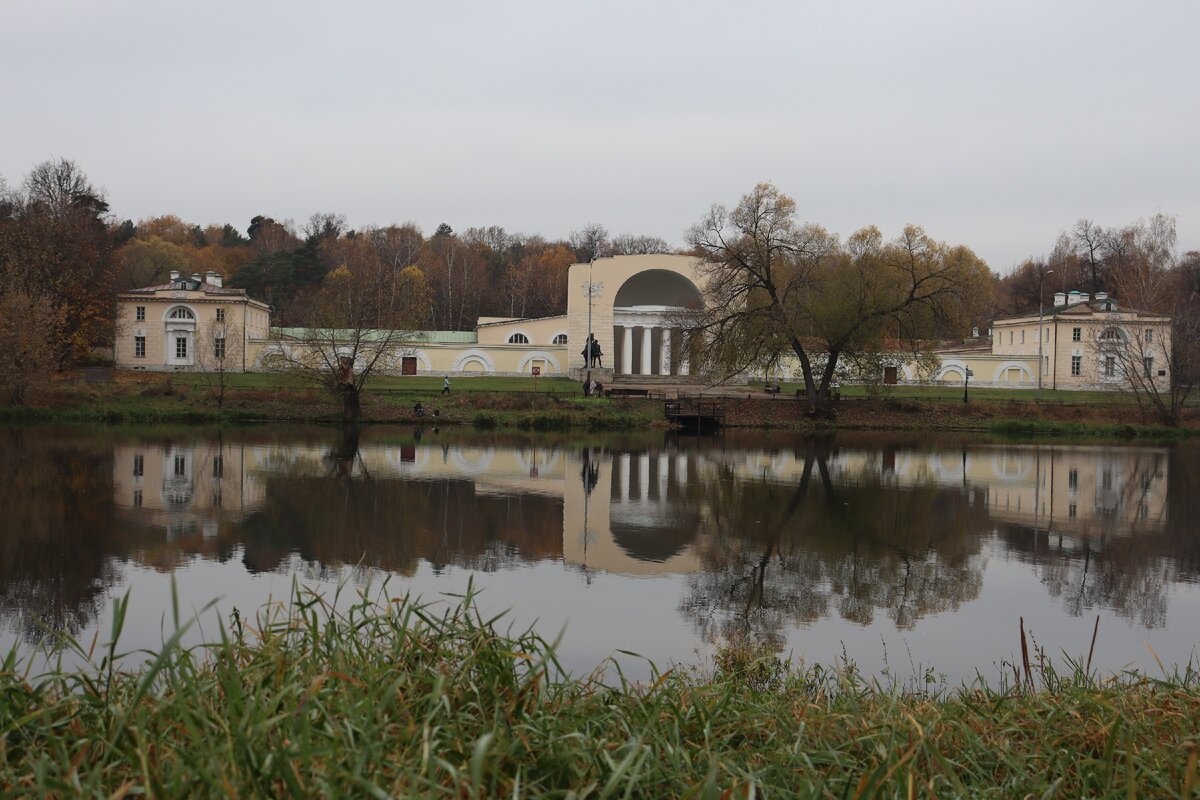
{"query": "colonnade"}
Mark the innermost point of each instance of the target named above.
(654, 357)
(645, 476)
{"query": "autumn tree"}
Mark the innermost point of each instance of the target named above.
(57, 242)
(775, 287)
(363, 318)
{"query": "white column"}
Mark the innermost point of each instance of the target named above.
(665, 362)
(626, 350)
(661, 465)
(623, 476)
(684, 369)
(681, 471)
(647, 339)
(644, 477)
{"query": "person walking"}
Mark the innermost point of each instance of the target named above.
(446, 385)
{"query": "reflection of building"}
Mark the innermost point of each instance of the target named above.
(182, 488)
(645, 511)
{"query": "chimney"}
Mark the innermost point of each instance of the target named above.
(196, 277)
(174, 275)
(1101, 295)
(213, 278)
(1084, 297)
(1060, 299)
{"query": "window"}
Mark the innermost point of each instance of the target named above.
(141, 313)
(180, 312)
(1149, 336)
(139, 347)
(1110, 366)
(1076, 364)
(137, 498)
(1073, 480)
(560, 339)
(139, 465)
(1072, 511)
(181, 347)
(1076, 334)
(180, 466)
(220, 315)
(1111, 335)
(219, 348)
(1022, 337)
(1045, 364)
(1010, 337)
(518, 338)
(218, 467)
(1148, 366)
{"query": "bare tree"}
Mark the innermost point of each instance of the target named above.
(219, 351)
(773, 286)
(590, 243)
(364, 317)
(630, 245)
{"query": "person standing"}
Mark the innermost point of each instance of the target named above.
(446, 385)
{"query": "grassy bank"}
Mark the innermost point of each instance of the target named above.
(400, 700)
(555, 404)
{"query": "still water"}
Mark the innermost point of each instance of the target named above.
(899, 552)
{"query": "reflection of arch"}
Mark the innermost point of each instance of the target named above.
(658, 287)
(542, 354)
(657, 542)
(473, 467)
(477, 356)
(1007, 365)
(544, 459)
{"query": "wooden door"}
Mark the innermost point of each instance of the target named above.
(408, 365)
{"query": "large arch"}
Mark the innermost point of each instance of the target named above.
(1002, 370)
(657, 287)
(474, 354)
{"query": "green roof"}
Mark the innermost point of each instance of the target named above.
(417, 337)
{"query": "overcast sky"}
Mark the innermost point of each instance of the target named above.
(992, 124)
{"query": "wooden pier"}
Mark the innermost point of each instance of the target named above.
(695, 414)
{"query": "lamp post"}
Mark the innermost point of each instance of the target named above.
(591, 289)
(966, 380)
(1041, 333)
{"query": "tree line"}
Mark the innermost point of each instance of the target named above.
(786, 287)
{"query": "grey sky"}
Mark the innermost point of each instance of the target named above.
(992, 124)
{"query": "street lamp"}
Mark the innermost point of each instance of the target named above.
(591, 289)
(966, 380)
(1041, 336)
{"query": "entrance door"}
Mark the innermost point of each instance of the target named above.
(408, 365)
(889, 375)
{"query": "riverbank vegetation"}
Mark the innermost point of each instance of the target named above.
(556, 404)
(399, 698)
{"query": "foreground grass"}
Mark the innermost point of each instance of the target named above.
(401, 700)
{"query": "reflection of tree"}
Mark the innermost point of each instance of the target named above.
(56, 531)
(779, 555)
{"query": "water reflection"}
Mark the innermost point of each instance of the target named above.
(762, 539)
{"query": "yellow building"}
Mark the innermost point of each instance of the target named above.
(189, 323)
(1087, 342)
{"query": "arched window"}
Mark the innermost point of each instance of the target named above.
(560, 339)
(181, 313)
(518, 338)
(1112, 335)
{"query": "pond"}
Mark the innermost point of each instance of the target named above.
(900, 552)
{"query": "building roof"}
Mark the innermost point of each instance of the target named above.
(1082, 308)
(514, 320)
(416, 337)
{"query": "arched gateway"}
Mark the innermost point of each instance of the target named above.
(633, 303)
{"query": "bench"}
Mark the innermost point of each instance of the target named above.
(771, 388)
(622, 391)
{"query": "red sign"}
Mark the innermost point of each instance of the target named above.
(537, 371)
